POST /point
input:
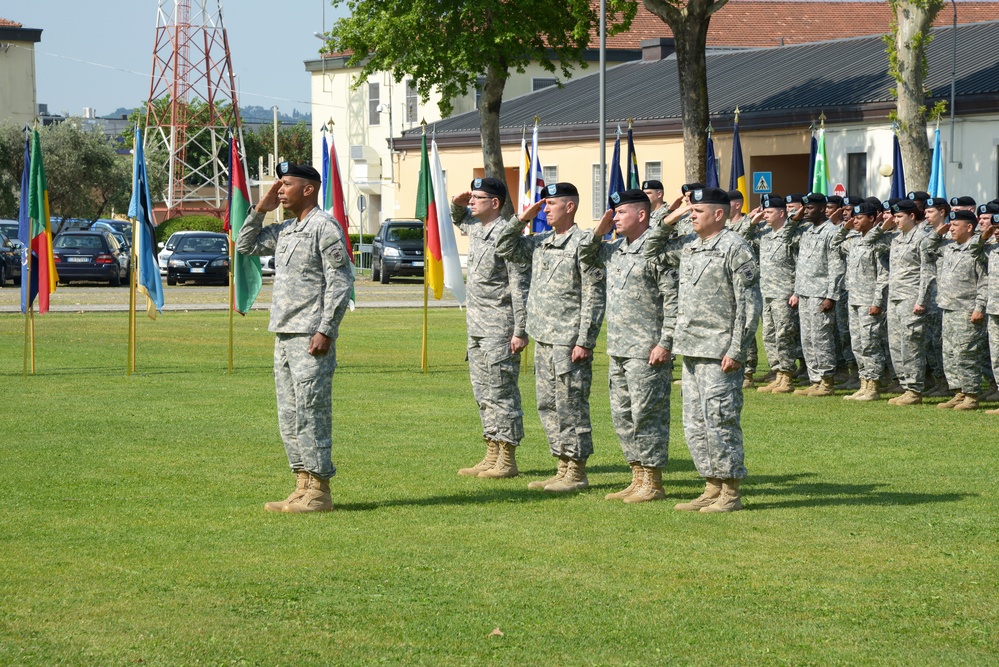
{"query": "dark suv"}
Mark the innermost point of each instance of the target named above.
(397, 250)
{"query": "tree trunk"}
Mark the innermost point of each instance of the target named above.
(913, 19)
(489, 111)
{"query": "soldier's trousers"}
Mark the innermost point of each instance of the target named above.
(993, 332)
(563, 388)
(818, 337)
(712, 408)
(906, 334)
(934, 342)
(304, 387)
(962, 351)
(844, 346)
(494, 372)
(867, 334)
(780, 334)
(639, 398)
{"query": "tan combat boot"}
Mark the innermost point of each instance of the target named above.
(824, 388)
(871, 394)
(805, 391)
(992, 412)
(908, 398)
(637, 474)
(770, 376)
(730, 499)
(856, 396)
(506, 463)
(573, 480)
(712, 489)
(301, 477)
(785, 384)
(492, 452)
(852, 380)
(651, 488)
(315, 498)
(748, 382)
(953, 402)
(970, 402)
(563, 465)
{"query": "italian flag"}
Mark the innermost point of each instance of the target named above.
(246, 271)
(426, 210)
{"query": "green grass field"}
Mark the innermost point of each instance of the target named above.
(132, 528)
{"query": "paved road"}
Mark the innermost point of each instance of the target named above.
(400, 293)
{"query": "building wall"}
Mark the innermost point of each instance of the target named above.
(18, 102)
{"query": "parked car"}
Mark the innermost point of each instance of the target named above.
(9, 229)
(166, 249)
(90, 255)
(199, 257)
(124, 241)
(397, 250)
(10, 260)
(267, 265)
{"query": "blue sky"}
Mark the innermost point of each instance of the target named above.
(269, 42)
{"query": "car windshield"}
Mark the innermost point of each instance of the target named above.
(203, 244)
(413, 233)
(9, 229)
(80, 242)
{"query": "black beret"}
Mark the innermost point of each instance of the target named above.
(874, 200)
(918, 195)
(904, 206)
(689, 187)
(772, 201)
(963, 201)
(834, 199)
(988, 209)
(652, 185)
(937, 202)
(710, 196)
(866, 208)
(634, 196)
(308, 172)
(560, 190)
(963, 214)
(735, 195)
(794, 197)
(492, 186)
(891, 202)
(814, 198)
(854, 200)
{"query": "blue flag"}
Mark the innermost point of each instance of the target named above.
(140, 209)
(898, 171)
(711, 179)
(29, 289)
(812, 151)
(634, 182)
(937, 186)
(737, 175)
(616, 182)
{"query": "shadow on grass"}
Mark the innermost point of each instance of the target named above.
(817, 494)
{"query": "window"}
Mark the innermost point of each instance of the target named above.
(412, 102)
(598, 203)
(856, 174)
(480, 83)
(653, 171)
(374, 101)
(550, 174)
(542, 83)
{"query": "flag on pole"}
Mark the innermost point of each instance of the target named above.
(616, 181)
(634, 182)
(537, 184)
(711, 179)
(247, 275)
(140, 209)
(813, 148)
(524, 195)
(737, 175)
(333, 198)
(453, 279)
(29, 288)
(40, 232)
(898, 171)
(426, 210)
(937, 186)
(820, 176)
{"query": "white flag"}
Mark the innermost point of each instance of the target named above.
(453, 280)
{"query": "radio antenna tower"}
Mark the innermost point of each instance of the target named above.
(192, 103)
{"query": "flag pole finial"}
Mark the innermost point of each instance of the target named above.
(423, 124)
(631, 122)
(536, 120)
(737, 112)
(711, 128)
(822, 120)
(331, 123)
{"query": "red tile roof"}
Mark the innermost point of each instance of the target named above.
(7, 23)
(747, 23)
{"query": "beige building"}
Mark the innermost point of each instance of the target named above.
(18, 99)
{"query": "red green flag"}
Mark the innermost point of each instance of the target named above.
(40, 233)
(426, 210)
(246, 271)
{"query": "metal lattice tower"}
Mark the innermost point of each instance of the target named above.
(192, 102)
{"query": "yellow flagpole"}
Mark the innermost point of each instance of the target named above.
(133, 257)
(424, 362)
(29, 322)
(232, 291)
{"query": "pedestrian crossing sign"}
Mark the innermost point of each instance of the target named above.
(762, 180)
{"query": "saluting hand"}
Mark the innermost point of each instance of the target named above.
(270, 200)
(606, 223)
(462, 199)
(531, 212)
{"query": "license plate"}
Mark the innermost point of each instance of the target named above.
(417, 263)
(78, 259)
(197, 270)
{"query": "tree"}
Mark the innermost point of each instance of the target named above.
(11, 164)
(445, 45)
(906, 49)
(689, 23)
(294, 145)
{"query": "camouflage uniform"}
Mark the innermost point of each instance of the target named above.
(992, 304)
(934, 319)
(641, 312)
(962, 289)
(565, 308)
(496, 292)
(656, 217)
(719, 311)
(819, 275)
(911, 277)
(684, 225)
(745, 228)
(312, 286)
(866, 264)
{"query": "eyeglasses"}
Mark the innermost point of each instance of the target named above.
(481, 197)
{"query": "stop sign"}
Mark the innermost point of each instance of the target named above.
(839, 190)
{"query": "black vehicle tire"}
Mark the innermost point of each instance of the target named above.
(384, 278)
(376, 271)
(3, 275)
(171, 280)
